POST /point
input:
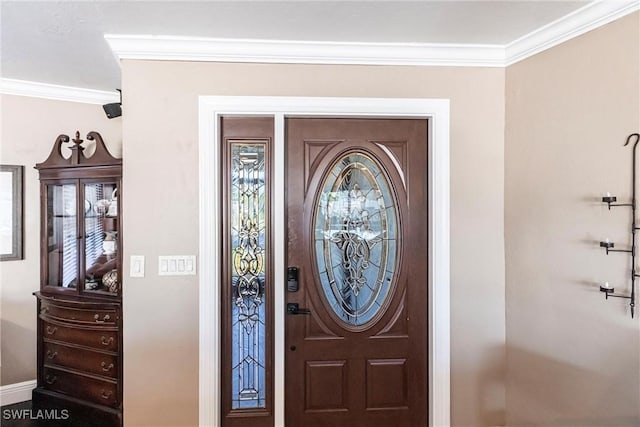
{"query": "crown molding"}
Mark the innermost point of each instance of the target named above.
(56, 92)
(175, 48)
(587, 18)
(172, 48)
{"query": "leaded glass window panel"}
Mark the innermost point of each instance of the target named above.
(356, 232)
(248, 258)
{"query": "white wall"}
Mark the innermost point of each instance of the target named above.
(572, 357)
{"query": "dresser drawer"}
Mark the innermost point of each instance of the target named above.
(78, 315)
(102, 392)
(94, 338)
(82, 360)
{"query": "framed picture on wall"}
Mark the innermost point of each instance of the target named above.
(11, 204)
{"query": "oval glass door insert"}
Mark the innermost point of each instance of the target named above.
(356, 231)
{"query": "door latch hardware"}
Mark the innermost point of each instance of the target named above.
(293, 279)
(294, 308)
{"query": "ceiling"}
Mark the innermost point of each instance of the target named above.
(62, 42)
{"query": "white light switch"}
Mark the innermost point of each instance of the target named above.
(176, 265)
(137, 266)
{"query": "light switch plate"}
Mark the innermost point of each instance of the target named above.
(137, 266)
(176, 265)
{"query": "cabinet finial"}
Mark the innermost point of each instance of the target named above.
(76, 149)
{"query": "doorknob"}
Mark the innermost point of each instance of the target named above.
(294, 308)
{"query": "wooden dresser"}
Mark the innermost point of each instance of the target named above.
(79, 304)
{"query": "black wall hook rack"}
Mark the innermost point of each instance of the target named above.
(611, 201)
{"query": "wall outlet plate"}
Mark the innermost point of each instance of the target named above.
(176, 265)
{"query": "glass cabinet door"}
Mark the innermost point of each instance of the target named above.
(101, 238)
(62, 236)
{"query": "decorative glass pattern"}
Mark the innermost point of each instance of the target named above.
(356, 231)
(248, 231)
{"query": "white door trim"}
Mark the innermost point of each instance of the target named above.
(210, 109)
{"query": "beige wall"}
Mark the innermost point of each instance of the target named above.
(160, 196)
(573, 358)
(29, 127)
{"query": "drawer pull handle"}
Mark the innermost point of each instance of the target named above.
(51, 355)
(51, 330)
(106, 394)
(106, 368)
(104, 319)
(50, 379)
(106, 341)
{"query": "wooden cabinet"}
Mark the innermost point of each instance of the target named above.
(79, 305)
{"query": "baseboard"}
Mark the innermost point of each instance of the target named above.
(16, 393)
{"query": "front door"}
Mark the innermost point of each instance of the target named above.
(356, 328)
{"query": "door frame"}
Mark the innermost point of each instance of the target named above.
(210, 110)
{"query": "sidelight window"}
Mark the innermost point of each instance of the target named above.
(248, 253)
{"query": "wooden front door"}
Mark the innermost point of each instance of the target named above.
(356, 328)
